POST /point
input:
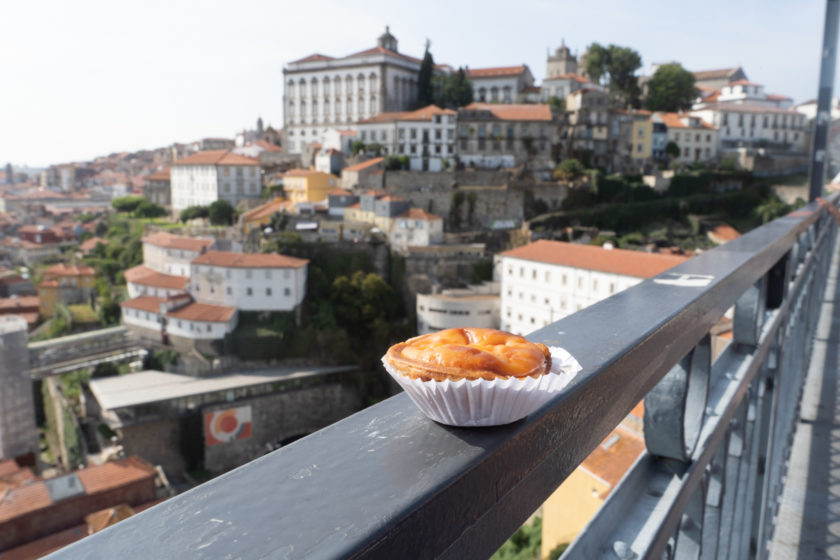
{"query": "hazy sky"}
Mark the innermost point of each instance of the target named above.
(86, 78)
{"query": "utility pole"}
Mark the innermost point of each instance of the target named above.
(822, 123)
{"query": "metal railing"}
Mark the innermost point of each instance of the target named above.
(389, 483)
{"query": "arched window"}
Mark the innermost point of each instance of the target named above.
(482, 94)
(494, 93)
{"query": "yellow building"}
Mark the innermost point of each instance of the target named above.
(641, 134)
(64, 284)
(575, 502)
(260, 217)
(308, 185)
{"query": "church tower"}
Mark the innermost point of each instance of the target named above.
(561, 62)
(387, 41)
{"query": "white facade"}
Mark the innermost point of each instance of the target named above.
(501, 84)
(201, 185)
(168, 260)
(322, 92)
(697, 140)
(425, 136)
(197, 330)
(416, 228)
(136, 289)
(749, 124)
(536, 294)
(249, 289)
(474, 307)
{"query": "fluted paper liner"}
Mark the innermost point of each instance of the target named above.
(483, 402)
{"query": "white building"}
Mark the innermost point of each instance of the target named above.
(323, 92)
(426, 136)
(143, 281)
(751, 125)
(746, 92)
(476, 306)
(547, 280)
(697, 139)
(179, 316)
(172, 254)
(415, 227)
(562, 86)
(248, 281)
(502, 84)
(205, 177)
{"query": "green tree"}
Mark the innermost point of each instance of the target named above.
(557, 104)
(105, 369)
(221, 213)
(425, 92)
(671, 89)
(455, 90)
(193, 212)
(127, 203)
(569, 169)
(148, 209)
(357, 146)
(672, 150)
(615, 67)
(771, 209)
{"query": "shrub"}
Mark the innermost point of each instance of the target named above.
(127, 203)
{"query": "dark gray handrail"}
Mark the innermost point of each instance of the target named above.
(389, 483)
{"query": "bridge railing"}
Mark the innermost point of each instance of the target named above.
(389, 483)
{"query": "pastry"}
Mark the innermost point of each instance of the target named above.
(469, 353)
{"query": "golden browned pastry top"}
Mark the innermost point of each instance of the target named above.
(469, 353)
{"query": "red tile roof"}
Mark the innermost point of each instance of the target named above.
(248, 260)
(423, 114)
(614, 457)
(590, 257)
(301, 172)
(62, 269)
(778, 97)
(115, 474)
(18, 501)
(419, 214)
(392, 198)
(744, 83)
(144, 303)
(203, 312)
(265, 210)
(170, 241)
(217, 157)
(714, 74)
(530, 112)
(315, 57)
(568, 76)
(365, 164)
(339, 192)
(496, 71)
(382, 50)
(723, 234)
(91, 244)
(162, 175)
(674, 120)
(9, 305)
(145, 276)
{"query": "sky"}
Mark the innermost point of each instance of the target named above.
(89, 77)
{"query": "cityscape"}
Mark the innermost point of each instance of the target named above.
(175, 317)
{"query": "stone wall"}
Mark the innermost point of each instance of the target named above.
(279, 417)
(157, 442)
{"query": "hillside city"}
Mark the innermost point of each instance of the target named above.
(174, 313)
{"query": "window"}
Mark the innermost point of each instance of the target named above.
(268, 291)
(521, 272)
(229, 290)
(548, 276)
(534, 274)
(287, 292)
(179, 323)
(249, 291)
(209, 328)
(227, 273)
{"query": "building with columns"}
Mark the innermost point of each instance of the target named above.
(323, 92)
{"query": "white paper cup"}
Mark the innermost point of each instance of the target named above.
(483, 402)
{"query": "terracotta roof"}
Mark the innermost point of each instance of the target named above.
(301, 172)
(496, 71)
(347, 132)
(9, 305)
(15, 502)
(365, 164)
(104, 518)
(744, 83)
(203, 312)
(529, 112)
(723, 233)
(170, 241)
(712, 97)
(614, 457)
(43, 546)
(248, 260)
(423, 114)
(268, 146)
(91, 244)
(382, 50)
(714, 74)
(266, 209)
(48, 284)
(747, 108)
(62, 269)
(674, 120)
(419, 214)
(144, 303)
(217, 157)
(162, 175)
(114, 474)
(8, 467)
(145, 276)
(568, 76)
(590, 257)
(355, 206)
(392, 198)
(315, 57)
(778, 97)
(339, 192)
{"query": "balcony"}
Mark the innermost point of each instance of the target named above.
(389, 483)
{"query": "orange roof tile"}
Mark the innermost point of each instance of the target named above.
(723, 234)
(313, 58)
(144, 303)
(525, 112)
(145, 276)
(568, 76)
(590, 257)
(91, 244)
(217, 157)
(423, 114)
(382, 50)
(8, 467)
(104, 518)
(24, 499)
(114, 474)
(62, 269)
(355, 206)
(744, 83)
(11, 304)
(674, 120)
(48, 284)
(365, 164)
(264, 210)
(392, 198)
(301, 172)
(339, 192)
(496, 71)
(248, 260)
(614, 456)
(170, 241)
(203, 312)
(777, 97)
(162, 175)
(419, 214)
